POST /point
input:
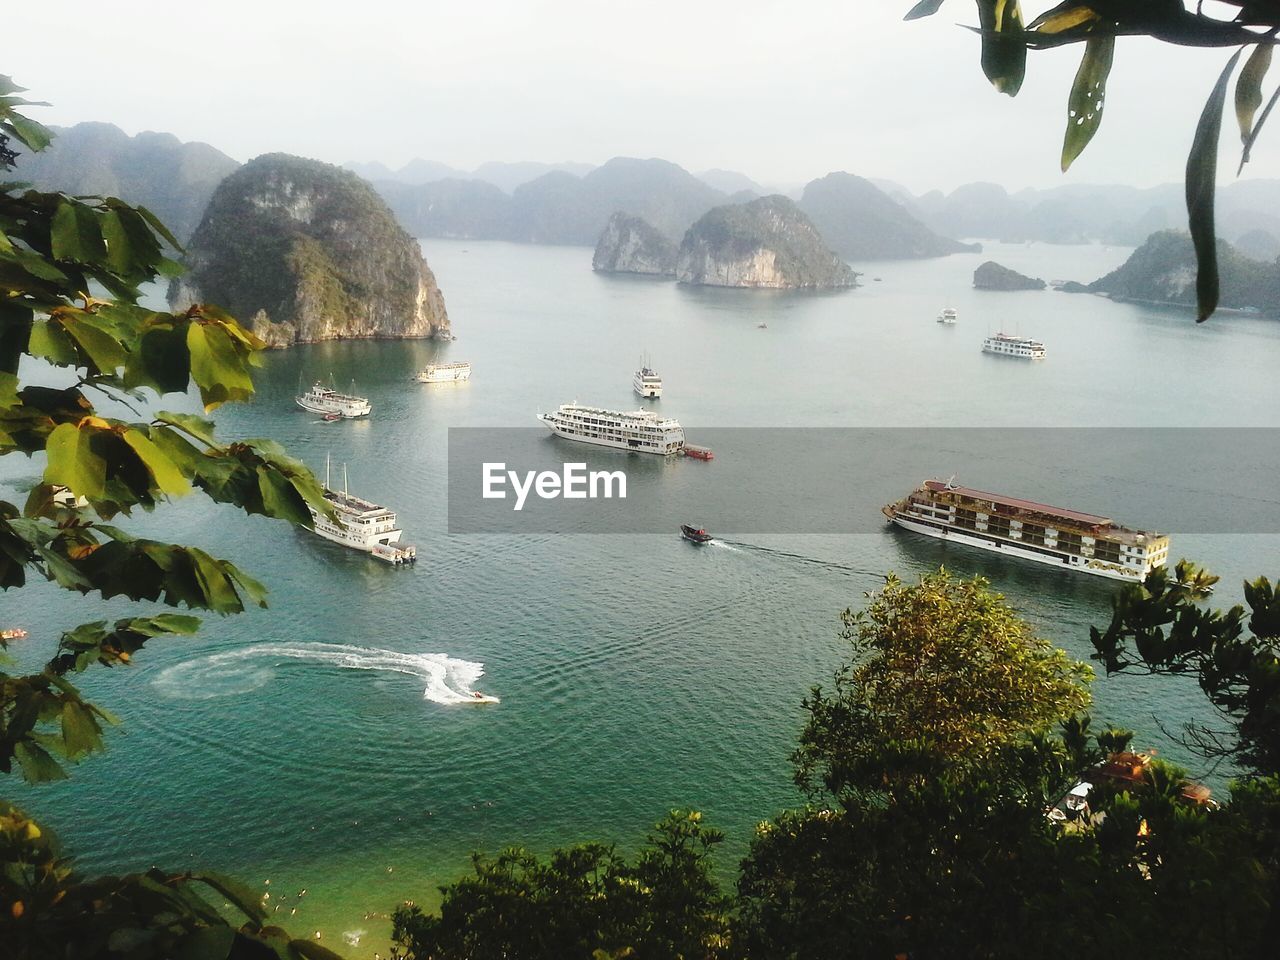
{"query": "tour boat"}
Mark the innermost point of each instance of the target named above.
(1067, 539)
(456, 372)
(320, 399)
(698, 453)
(948, 315)
(1007, 345)
(646, 382)
(696, 534)
(361, 525)
(13, 633)
(640, 430)
(762, 325)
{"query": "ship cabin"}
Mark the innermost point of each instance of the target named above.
(1055, 531)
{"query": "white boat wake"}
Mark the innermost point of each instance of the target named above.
(448, 679)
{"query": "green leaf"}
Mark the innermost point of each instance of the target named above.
(159, 227)
(76, 234)
(35, 135)
(925, 8)
(1257, 129)
(1202, 175)
(189, 423)
(1004, 51)
(216, 367)
(49, 340)
(1064, 17)
(36, 265)
(104, 351)
(1088, 93)
(72, 464)
(80, 731)
(164, 471)
(280, 499)
(120, 256)
(240, 896)
(37, 765)
(1249, 88)
(162, 360)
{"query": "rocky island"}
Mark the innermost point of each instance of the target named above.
(768, 242)
(993, 276)
(305, 251)
(1163, 270)
(632, 245)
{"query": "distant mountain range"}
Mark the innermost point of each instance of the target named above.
(504, 176)
(570, 203)
(854, 216)
(1248, 213)
(172, 179)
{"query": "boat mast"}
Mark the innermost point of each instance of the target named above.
(344, 480)
(326, 471)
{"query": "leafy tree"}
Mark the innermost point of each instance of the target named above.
(583, 902)
(937, 843)
(1160, 628)
(71, 269)
(943, 673)
(1252, 26)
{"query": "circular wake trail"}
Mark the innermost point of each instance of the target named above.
(448, 679)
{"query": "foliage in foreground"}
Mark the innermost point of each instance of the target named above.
(585, 901)
(71, 269)
(1251, 26)
(927, 834)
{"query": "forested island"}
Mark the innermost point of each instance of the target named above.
(306, 251)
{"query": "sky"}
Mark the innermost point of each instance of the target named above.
(781, 91)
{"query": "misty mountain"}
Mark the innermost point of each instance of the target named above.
(452, 208)
(556, 207)
(1082, 213)
(505, 176)
(156, 170)
(861, 222)
(732, 182)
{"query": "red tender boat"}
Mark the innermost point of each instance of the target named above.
(698, 453)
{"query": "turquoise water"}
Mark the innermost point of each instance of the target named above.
(636, 673)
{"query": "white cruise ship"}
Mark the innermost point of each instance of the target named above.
(641, 430)
(1066, 539)
(362, 526)
(446, 372)
(948, 315)
(1007, 345)
(646, 382)
(320, 399)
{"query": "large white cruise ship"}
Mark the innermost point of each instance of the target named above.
(446, 372)
(320, 399)
(641, 430)
(646, 382)
(1007, 345)
(1066, 539)
(362, 526)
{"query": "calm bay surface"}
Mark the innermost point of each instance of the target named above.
(305, 743)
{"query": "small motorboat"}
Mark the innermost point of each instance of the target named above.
(13, 633)
(331, 417)
(762, 325)
(695, 534)
(698, 453)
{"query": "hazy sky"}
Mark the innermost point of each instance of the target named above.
(782, 91)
